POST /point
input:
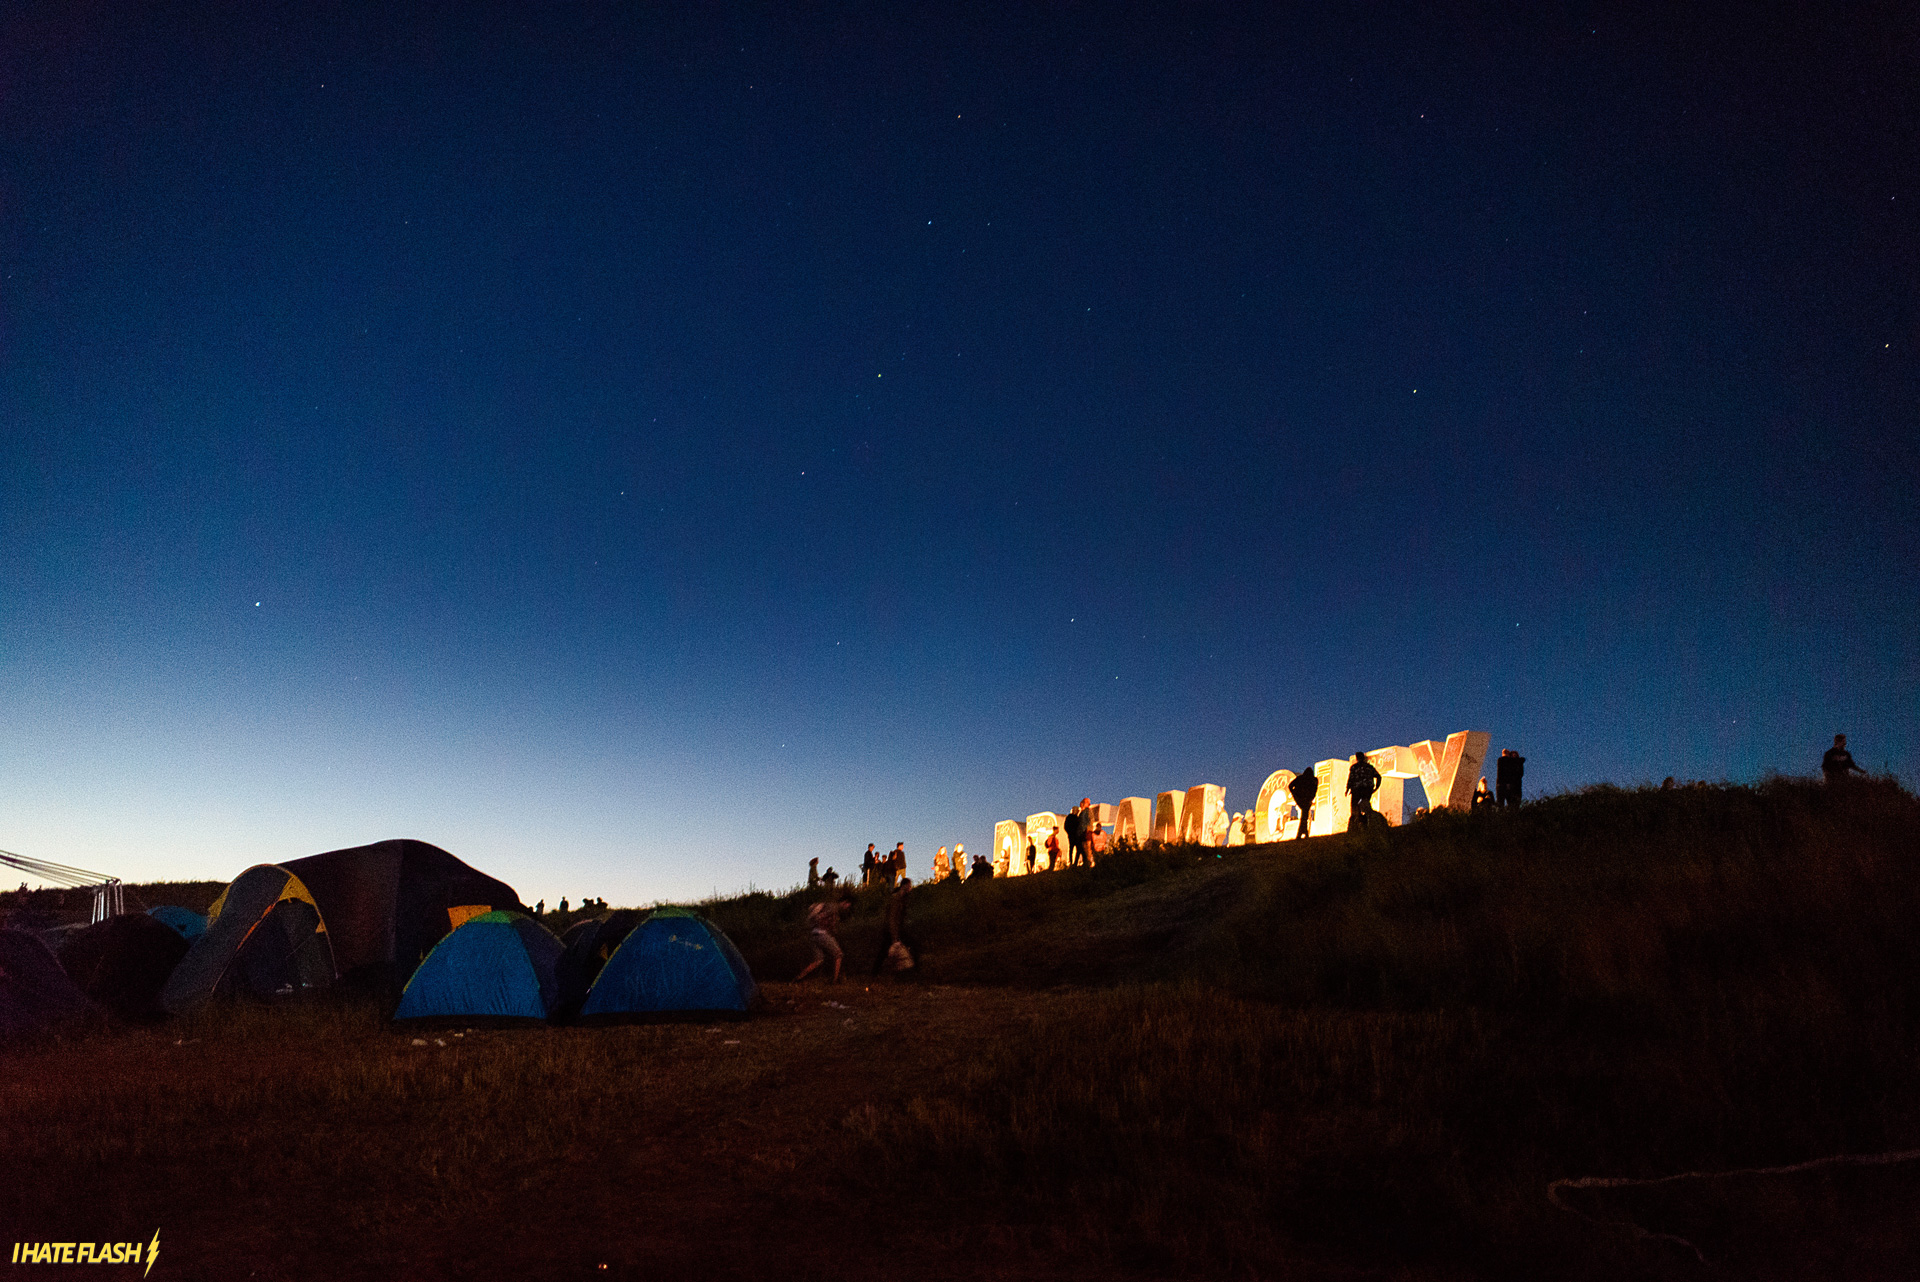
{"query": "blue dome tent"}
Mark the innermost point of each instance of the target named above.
(673, 964)
(498, 966)
(189, 924)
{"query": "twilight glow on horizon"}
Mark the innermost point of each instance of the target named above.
(642, 450)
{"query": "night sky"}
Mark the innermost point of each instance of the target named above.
(640, 448)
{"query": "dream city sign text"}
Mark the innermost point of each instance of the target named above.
(1448, 772)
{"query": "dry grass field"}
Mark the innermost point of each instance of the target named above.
(1365, 1056)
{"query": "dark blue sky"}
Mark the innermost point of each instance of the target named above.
(640, 449)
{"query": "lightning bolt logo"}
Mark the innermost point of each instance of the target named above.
(153, 1252)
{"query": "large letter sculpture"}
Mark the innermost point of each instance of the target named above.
(1396, 766)
(1201, 814)
(1332, 807)
(1448, 773)
(1009, 847)
(1039, 828)
(1166, 817)
(1133, 818)
(1275, 808)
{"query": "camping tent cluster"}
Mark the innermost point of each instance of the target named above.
(379, 916)
(631, 965)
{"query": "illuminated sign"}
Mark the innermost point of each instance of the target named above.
(1446, 769)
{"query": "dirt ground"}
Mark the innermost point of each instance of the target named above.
(721, 1150)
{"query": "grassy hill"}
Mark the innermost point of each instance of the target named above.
(1390, 1043)
(1365, 1055)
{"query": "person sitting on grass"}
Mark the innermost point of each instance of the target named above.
(821, 919)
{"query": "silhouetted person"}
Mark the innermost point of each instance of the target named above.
(868, 863)
(1303, 789)
(896, 864)
(1506, 777)
(1080, 833)
(896, 926)
(982, 870)
(1033, 857)
(1362, 782)
(1838, 763)
(830, 879)
(813, 872)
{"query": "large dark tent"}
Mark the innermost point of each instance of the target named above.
(496, 967)
(36, 996)
(265, 936)
(673, 964)
(387, 905)
(123, 962)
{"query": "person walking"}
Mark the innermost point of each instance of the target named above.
(1838, 763)
(1363, 780)
(1506, 777)
(1303, 789)
(822, 918)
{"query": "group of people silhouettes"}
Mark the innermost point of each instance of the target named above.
(1364, 780)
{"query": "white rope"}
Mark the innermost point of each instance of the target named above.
(1607, 1182)
(60, 873)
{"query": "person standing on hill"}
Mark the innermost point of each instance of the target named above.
(868, 864)
(1362, 782)
(1506, 777)
(1483, 795)
(1838, 763)
(830, 879)
(897, 864)
(813, 872)
(1303, 789)
(1083, 835)
(1033, 858)
(959, 863)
